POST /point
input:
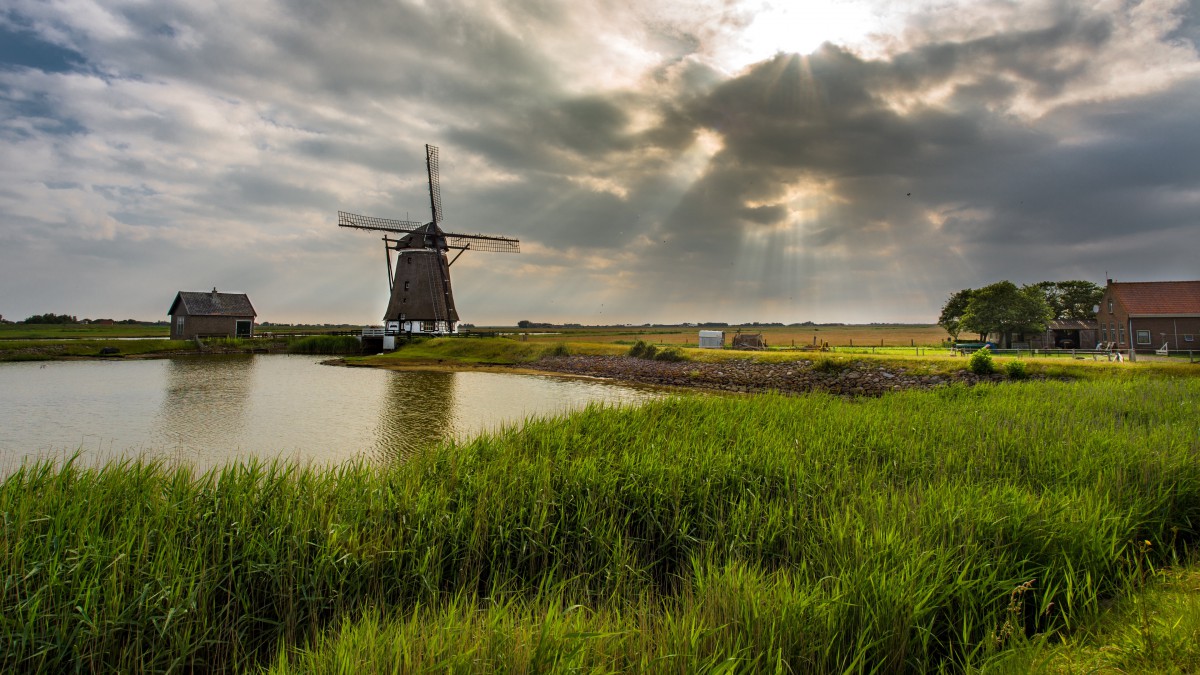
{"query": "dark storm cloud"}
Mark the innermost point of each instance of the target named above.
(1060, 185)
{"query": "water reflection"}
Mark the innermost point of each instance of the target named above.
(205, 402)
(212, 410)
(416, 411)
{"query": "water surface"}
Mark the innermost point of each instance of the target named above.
(208, 411)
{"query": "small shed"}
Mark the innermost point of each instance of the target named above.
(712, 339)
(749, 341)
(211, 314)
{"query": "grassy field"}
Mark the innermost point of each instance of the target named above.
(775, 336)
(22, 331)
(908, 533)
(512, 351)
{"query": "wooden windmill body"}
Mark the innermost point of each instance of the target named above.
(421, 300)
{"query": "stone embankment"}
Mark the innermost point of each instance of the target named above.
(852, 378)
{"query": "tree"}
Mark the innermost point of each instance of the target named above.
(1078, 299)
(50, 318)
(1071, 299)
(952, 312)
(1005, 309)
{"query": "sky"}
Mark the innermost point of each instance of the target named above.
(660, 161)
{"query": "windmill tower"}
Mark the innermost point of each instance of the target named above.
(421, 300)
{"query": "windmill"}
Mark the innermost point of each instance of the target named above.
(419, 283)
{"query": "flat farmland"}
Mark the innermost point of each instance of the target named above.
(870, 335)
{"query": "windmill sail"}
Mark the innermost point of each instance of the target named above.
(435, 182)
(383, 224)
(481, 242)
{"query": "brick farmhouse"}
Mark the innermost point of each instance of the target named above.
(1146, 315)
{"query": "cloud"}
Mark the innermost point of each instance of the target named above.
(149, 148)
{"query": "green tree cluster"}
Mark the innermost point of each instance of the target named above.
(1071, 299)
(1004, 308)
(51, 318)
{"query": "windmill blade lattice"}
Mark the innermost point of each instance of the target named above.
(435, 182)
(485, 243)
(370, 223)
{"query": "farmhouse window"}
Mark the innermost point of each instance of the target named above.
(1187, 338)
(1122, 334)
(1110, 307)
(1143, 337)
(428, 326)
(406, 285)
(179, 323)
(1104, 333)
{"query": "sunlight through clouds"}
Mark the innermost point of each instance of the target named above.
(834, 160)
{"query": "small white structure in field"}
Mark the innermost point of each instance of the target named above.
(712, 339)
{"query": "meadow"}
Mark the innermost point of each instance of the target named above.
(867, 335)
(918, 531)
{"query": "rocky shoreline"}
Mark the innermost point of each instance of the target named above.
(851, 378)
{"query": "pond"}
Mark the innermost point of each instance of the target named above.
(207, 411)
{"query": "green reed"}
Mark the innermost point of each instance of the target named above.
(800, 534)
(325, 344)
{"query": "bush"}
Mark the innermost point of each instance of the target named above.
(1015, 370)
(828, 365)
(641, 350)
(559, 349)
(981, 362)
(672, 354)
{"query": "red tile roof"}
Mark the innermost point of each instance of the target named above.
(1158, 297)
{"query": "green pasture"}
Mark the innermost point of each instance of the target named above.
(915, 532)
(23, 331)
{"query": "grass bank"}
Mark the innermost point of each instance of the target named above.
(805, 534)
(48, 350)
(484, 351)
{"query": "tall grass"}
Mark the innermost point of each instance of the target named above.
(804, 534)
(325, 344)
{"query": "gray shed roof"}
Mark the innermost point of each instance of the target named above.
(212, 303)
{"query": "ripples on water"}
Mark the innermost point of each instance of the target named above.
(208, 411)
